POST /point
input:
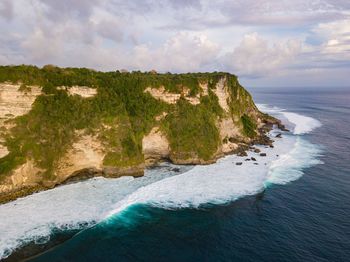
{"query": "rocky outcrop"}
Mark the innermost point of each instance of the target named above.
(83, 91)
(228, 130)
(14, 102)
(84, 158)
(85, 154)
(27, 175)
(172, 98)
(155, 147)
(222, 94)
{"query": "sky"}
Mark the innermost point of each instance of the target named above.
(266, 43)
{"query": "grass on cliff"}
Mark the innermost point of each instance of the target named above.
(120, 114)
(191, 129)
(249, 126)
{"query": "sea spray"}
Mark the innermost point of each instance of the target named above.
(33, 218)
(224, 181)
(70, 207)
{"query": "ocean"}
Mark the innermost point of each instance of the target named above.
(292, 205)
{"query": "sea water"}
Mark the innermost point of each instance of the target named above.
(219, 212)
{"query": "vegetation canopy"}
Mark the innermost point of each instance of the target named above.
(120, 114)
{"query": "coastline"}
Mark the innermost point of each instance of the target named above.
(32, 249)
(250, 170)
(138, 171)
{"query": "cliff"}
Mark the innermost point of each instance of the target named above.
(59, 125)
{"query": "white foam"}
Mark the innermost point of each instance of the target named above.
(303, 124)
(34, 217)
(289, 167)
(225, 181)
(269, 109)
(67, 207)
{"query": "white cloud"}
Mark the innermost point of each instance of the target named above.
(336, 37)
(6, 9)
(181, 53)
(256, 57)
(179, 36)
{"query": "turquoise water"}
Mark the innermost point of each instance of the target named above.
(294, 208)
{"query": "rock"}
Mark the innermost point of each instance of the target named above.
(262, 154)
(239, 163)
(232, 140)
(282, 127)
(248, 159)
(279, 135)
(271, 146)
(256, 150)
(176, 169)
(253, 159)
(242, 153)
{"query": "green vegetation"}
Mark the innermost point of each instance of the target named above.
(120, 114)
(249, 126)
(24, 88)
(191, 129)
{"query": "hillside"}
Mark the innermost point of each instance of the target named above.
(61, 124)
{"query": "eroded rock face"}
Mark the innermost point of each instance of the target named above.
(3, 149)
(25, 175)
(172, 98)
(86, 153)
(222, 93)
(155, 146)
(162, 94)
(228, 130)
(13, 103)
(83, 91)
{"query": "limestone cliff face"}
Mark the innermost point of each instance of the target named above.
(86, 156)
(155, 146)
(86, 152)
(13, 103)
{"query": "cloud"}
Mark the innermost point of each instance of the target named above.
(260, 13)
(291, 37)
(256, 57)
(110, 29)
(180, 4)
(69, 9)
(336, 36)
(181, 53)
(6, 9)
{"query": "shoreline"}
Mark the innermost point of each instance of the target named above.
(138, 171)
(33, 250)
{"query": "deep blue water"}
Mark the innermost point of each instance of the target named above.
(305, 220)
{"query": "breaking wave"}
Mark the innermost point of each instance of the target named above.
(80, 205)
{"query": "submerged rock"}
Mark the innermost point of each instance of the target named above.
(262, 154)
(239, 163)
